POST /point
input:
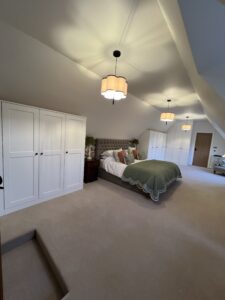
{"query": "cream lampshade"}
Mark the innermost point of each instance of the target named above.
(186, 127)
(114, 87)
(167, 117)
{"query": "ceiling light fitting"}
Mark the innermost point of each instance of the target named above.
(167, 116)
(114, 87)
(186, 126)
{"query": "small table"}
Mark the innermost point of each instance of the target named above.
(91, 170)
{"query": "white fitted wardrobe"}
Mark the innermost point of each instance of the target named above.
(42, 155)
(178, 144)
(153, 144)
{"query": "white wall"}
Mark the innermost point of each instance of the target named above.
(34, 74)
(204, 126)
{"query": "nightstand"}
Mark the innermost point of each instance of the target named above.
(91, 170)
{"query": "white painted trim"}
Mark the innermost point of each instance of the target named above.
(50, 110)
(39, 201)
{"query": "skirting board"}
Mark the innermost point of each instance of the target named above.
(39, 201)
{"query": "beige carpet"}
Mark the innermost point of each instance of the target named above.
(111, 243)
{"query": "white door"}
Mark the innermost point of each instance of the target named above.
(159, 146)
(163, 146)
(168, 154)
(20, 150)
(1, 165)
(152, 145)
(51, 158)
(74, 153)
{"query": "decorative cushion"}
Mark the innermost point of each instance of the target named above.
(115, 154)
(129, 159)
(135, 154)
(126, 151)
(130, 150)
(121, 156)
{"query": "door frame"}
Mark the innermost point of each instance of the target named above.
(1, 165)
(196, 135)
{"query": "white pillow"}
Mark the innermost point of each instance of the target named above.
(110, 153)
(107, 153)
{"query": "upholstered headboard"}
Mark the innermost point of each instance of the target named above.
(102, 145)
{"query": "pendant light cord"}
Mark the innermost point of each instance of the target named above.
(116, 66)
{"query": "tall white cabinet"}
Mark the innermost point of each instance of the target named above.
(43, 155)
(20, 125)
(74, 153)
(178, 144)
(1, 167)
(152, 144)
(51, 151)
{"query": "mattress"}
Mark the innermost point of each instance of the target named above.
(113, 167)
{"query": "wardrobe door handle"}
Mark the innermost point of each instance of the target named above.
(41, 153)
(36, 154)
(1, 180)
(67, 152)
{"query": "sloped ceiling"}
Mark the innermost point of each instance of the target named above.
(53, 54)
(204, 26)
(34, 74)
(87, 32)
(209, 50)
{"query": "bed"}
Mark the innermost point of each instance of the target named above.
(150, 177)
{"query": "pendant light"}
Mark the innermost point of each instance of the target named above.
(167, 116)
(114, 87)
(186, 126)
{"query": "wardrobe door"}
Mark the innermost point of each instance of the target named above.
(163, 146)
(20, 149)
(152, 145)
(159, 143)
(74, 153)
(51, 158)
(1, 169)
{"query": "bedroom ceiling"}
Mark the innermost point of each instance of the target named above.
(199, 37)
(87, 32)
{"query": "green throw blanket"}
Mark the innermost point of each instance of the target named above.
(152, 176)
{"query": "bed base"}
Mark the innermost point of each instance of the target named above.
(116, 180)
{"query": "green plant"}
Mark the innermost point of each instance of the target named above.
(90, 141)
(134, 142)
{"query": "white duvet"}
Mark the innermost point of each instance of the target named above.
(113, 167)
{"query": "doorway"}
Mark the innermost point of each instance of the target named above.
(202, 149)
